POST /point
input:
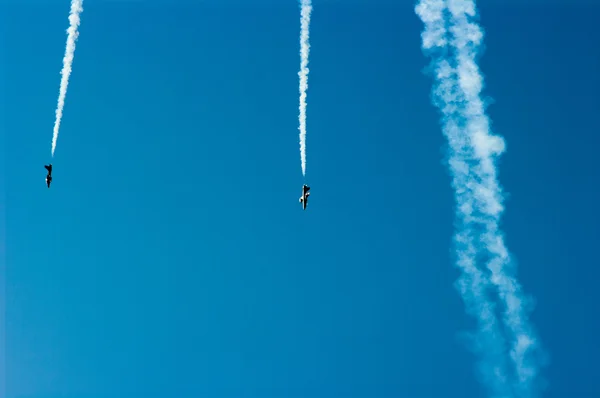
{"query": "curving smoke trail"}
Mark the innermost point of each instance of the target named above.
(306, 9)
(452, 37)
(76, 9)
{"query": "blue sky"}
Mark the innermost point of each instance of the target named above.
(171, 257)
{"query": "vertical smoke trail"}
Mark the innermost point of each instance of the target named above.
(472, 284)
(76, 9)
(454, 42)
(306, 9)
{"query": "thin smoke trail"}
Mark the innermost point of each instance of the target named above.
(306, 9)
(454, 43)
(76, 9)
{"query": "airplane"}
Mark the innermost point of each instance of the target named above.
(304, 197)
(49, 176)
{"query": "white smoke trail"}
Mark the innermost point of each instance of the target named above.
(306, 9)
(76, 9)
(453, 42)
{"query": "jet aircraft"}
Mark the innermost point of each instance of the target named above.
(304, 197)
(49, 176)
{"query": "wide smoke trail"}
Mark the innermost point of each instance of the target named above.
(76, 9)
(452, 38)
(306, 9)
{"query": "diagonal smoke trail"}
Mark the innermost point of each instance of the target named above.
(306, 9)
(453, 38)
(76, 9)
(472, 284)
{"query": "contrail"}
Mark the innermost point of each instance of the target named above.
(306, 9)
(76, 9)
(453, 37)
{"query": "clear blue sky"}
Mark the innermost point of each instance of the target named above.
(171, 257)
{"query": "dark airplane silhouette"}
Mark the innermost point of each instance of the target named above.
(304, 197)
(49, 176)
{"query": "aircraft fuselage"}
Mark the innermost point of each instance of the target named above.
(305, 195)
(49, 175)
